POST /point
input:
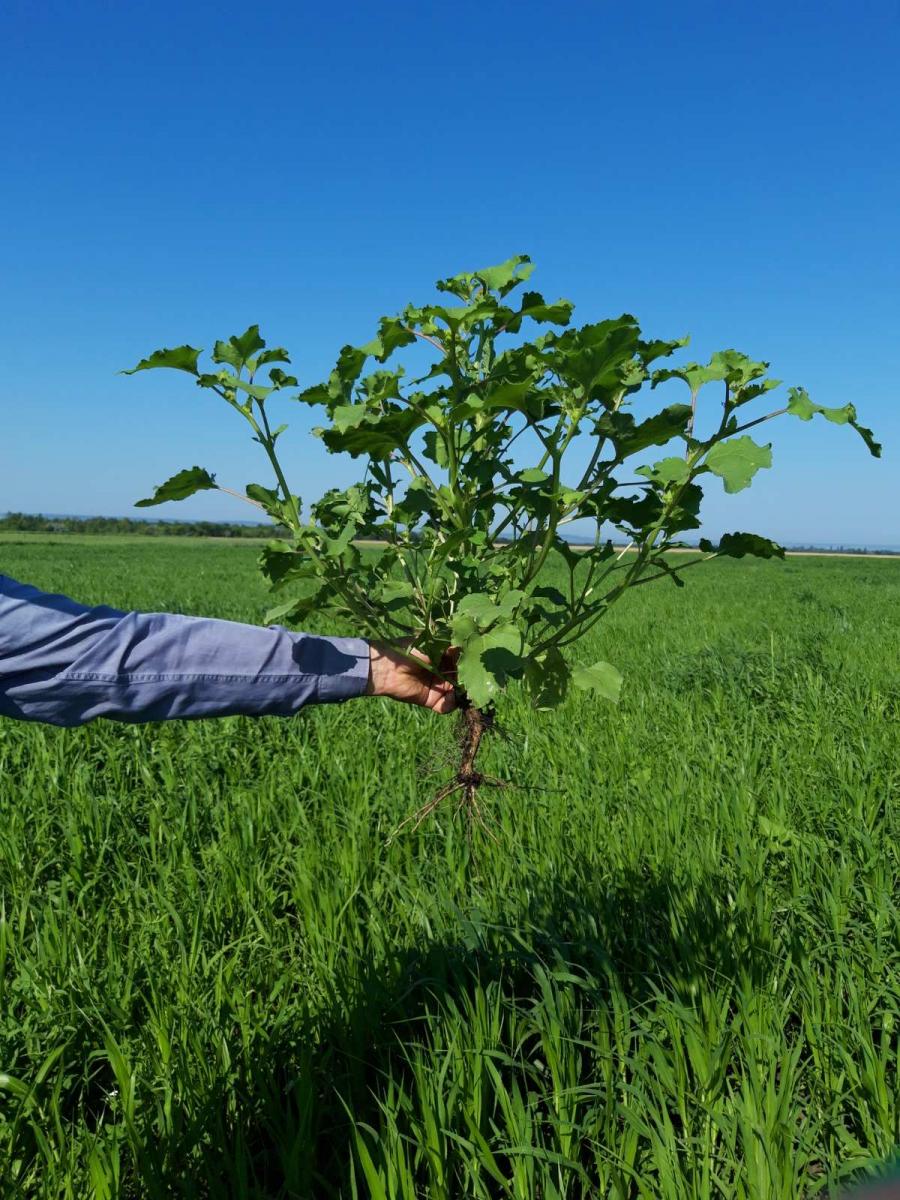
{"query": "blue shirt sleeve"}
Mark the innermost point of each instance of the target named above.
(66, 664)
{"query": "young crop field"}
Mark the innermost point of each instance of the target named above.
(673, 971)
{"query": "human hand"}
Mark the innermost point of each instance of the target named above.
(392, 674)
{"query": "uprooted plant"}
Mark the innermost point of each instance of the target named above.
(470, 477)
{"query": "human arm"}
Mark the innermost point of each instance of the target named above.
(65, 663)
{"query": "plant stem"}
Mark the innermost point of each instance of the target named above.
(239, 496)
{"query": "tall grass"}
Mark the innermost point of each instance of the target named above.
(675, 974)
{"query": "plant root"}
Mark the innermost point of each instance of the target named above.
(474, 723)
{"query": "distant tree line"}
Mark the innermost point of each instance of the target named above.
(37, 523)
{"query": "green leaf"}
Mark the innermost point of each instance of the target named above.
(597, 358)
(507, 275)
(257, 390)
(502, 278)
(229, 383)
(486, 662)
(630, 438)
(685, 514)
(650, 351)
(737, 368)
(693, 374)
(479, 611)
(277, 354)
(737, 460)
(268, 497)
(633, 512)
(281, 562)
(238, 349)
(281, 380)
(736, 545)
(341, 381)
(377, 438)
(535, 308)
(517, 395)
(319, 393)
(182, 358)
(602, 678)
(724, 366)
(547, 679)
(334, 547)
(800, 405)
(532, 475)
(348, 416)
(295, 611)
(392, 334)
(666, 471)
(395, 594)
(180, 486)
(417, 501)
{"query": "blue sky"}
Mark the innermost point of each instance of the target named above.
(172, 173)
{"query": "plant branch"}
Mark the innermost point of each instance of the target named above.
(674, 570)
(779, 412)
(425, 338)
(239, 496)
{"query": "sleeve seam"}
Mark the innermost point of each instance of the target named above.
(176, 676)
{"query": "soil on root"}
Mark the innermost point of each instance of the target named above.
(474, 724)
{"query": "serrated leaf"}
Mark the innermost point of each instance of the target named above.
(505, 276)
(736, 545)
(377, 438)
(535, 308)
(181, 358)
(601, 359)
(392, 334)
(737, 460)
(239, 348)
(280, 379)
(635, 512)
(729, 366)
(666, 471)
(180, 486)
(685, 514)
(275, 355)
(737, 368)
(650, 351)
(224, 352)
(629, 438)
(800, 405)
(695, 375)
(602, 678)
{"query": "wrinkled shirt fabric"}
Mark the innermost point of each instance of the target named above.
(66, 664)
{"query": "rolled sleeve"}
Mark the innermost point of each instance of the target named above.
(67, 664)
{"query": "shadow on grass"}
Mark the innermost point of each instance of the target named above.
(281, 1126)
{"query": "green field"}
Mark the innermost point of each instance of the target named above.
(676, 973)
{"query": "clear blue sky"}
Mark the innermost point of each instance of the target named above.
(172, 173)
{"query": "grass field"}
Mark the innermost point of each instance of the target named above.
(676, 973)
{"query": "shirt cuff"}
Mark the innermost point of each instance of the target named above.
(340, 664)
